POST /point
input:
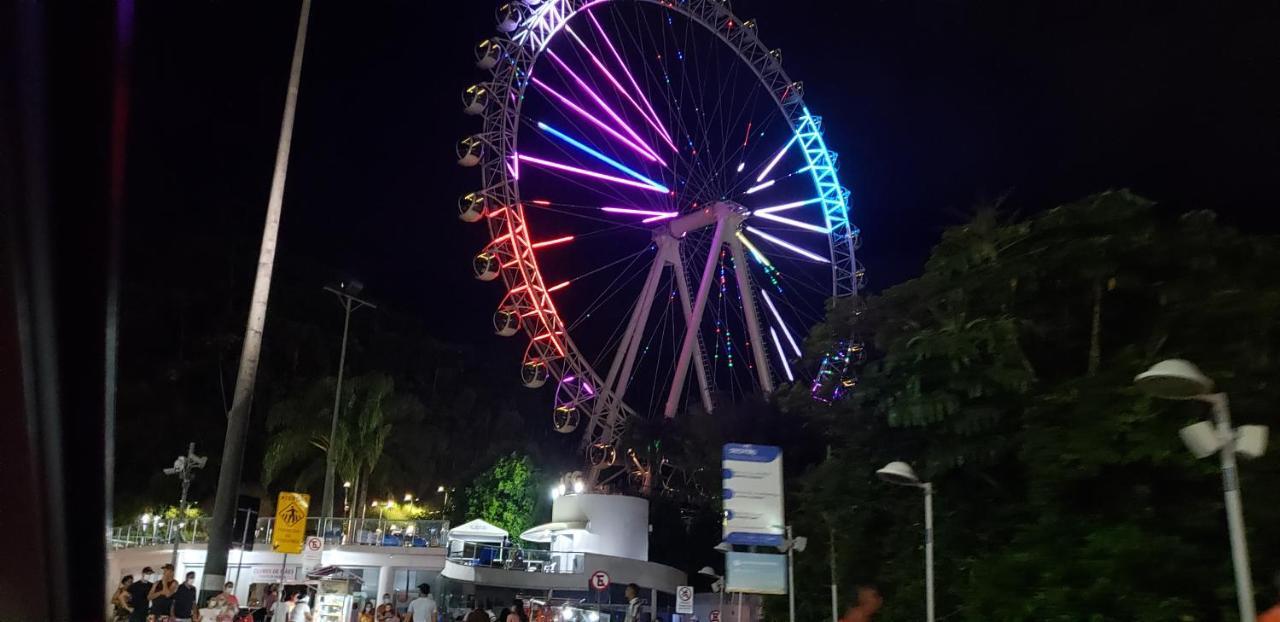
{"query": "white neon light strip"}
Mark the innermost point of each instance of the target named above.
(793, 223)
(785, 206)
(781, 357)
(639, 212)
(777, 316)
(583, 171)
(774, 161)
(784, 244)
(759, 187)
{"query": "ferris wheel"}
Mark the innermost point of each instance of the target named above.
(662, 209)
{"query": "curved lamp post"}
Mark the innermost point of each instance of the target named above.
(1177, 379)
(901, 474)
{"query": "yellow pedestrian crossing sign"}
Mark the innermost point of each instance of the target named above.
(290, 526)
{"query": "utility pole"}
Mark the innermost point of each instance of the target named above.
(185, 468)
(224, 507)
(346, 292)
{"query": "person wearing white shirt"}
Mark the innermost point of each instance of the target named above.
(283, 606)
(635, 606)
(423, 608)
(301, 611)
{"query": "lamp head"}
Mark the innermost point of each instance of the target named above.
(799, 543)
(708, 571)
(899, 473)
(440, 489)
(1174, 379)
(724, 547)
(1201, 438)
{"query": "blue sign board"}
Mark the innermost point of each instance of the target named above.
(753, 511)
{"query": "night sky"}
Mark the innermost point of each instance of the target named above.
(933, 106)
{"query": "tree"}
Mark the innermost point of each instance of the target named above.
(506, 494)
(370, 409)
(1004, 373)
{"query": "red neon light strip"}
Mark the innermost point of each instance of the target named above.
(567, 238)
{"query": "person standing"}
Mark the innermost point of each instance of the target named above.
(366, 614)
(161, 596)
(386, 611)
(301, 610)
(184, 599)
(478, 615)
(226, 603)
(869, 602)
(635, 606)
(120, 600)
(423, 608)
(284, 607)
(137, 595)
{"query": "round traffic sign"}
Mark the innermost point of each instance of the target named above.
(599, 581)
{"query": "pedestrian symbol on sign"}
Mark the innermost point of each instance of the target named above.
(292, 515)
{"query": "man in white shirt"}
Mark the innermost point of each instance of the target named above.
(635, 606)
(283, 606)
(301, 611)
(423, 608)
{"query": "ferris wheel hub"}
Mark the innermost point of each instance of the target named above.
(705, 217)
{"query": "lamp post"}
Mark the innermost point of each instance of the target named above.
(717, 585)
(790, 546)
(1177, 379)
(184, 467)
(444, 506)
(346, 292)
(346, 506)
(901, 474)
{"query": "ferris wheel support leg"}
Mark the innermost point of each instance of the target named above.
(605, 411)
(695, 321)
(699, 360)
(741, 270)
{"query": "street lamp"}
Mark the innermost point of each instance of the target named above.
(346, 507)
(346, 292)
(790, 546)
(1177, 379)
(717, 585)
(184, 467)
(901, 474)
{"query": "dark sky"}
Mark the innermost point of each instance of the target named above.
(934, 106)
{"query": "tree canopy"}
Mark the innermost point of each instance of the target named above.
(1004, 374)
(506, 494)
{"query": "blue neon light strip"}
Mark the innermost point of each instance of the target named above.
(834, 198)
(600, 156)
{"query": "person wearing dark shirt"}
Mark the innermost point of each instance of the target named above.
(162, 594)
(138, 591)
(184, 599)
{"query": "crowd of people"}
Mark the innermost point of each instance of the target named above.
(160, 597)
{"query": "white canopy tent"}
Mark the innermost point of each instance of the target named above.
(476, 532)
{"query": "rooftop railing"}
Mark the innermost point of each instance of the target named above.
(335, 531)
(509, 558)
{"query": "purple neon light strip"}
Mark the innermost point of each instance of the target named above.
(623, 64)
(583, 171)
(601, 124)
(618, 86)
(601, 103)
(785, 244)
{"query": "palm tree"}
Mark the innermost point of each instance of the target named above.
(370, 410)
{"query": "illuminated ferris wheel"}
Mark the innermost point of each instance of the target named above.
(663, 211)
